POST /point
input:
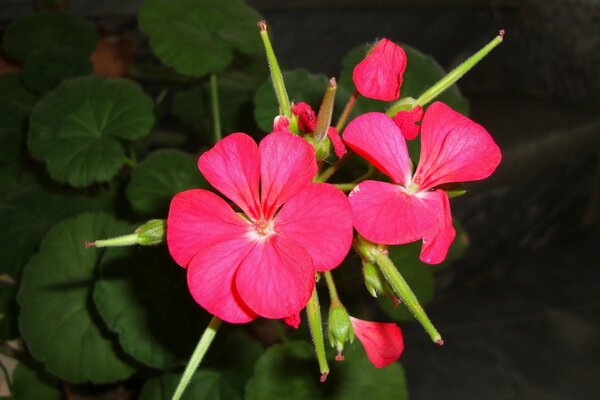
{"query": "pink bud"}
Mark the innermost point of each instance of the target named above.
(407, 122)
(307, 119)
(281, 123)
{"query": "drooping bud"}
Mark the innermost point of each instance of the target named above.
(340, 328)
(150, 233)
(375, 281)
(379, 75)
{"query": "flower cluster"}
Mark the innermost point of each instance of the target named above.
(262, 258)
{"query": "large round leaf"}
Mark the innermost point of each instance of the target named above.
(75, 129)
(290, 371)
(46, 68)
(34, 383)
(142, 296)
(422, 72)
(12, 123)
(12, 89)
(301, 85)
(199, 37)
(204, 385)
(57, 319)
(48, 29)
(159, 177)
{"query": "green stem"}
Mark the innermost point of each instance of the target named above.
(346, 113)
(400, 286)
(325, 111)
(345, 187)
(332, 289)
(313, 313)
(276, 75)
(118, 241)
(214, 101)
(201, 348)
(328, 173)
(452, 77)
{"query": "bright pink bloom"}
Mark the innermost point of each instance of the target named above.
(453, 149)
(338, 145)
(262, 263)
(379, 75)
(383, 342)
(307, 119)
(407, 122)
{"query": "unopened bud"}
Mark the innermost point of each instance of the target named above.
(151, 233)
(281, 123)
(340, 328)
(375, 281)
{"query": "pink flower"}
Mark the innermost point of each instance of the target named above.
(262, 262)
(379, 75)
(407, 122)
(383, 342)
(453, 149)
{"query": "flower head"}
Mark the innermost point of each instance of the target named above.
(411, 208)
(379, 75)
(261, 262)
(383, 342)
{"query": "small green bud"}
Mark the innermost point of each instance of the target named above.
(151, 233)
(340, 328)
(374, 280)
(322, 147)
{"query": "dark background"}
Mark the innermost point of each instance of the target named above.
(520, 313)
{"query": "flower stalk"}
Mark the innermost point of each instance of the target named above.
(313, 313)
(150, 233)
(214, 101)
(201, 348)
(346, 113)
(325, 111)
(340, 326)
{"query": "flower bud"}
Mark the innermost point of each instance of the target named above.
(340, 328)
(281, 123)
(151, 233)
(374, 280)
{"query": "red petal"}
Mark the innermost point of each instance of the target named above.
(383, 342)
(197, 219)
(336, 140)
(375, 137)
(293, 320)
(385, 213)
(379, 74)
(453, 149)
(307, 119)
(277, 278)
(435, 246)
(211, 280)
(232, 167)
(320, 220)
(407, 122)
(287, 167)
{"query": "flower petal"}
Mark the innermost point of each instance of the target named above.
(232, 167)
(293, 320)
(379, 74)
(407, 122)
(385, 213)
(375, 137)
(435, 247)
(320, 220)
(197, 219)
(211, 279)
(338, 145)
(288, 166)
(383, 342)
(453, 149)
(277, 278)
(307, 119)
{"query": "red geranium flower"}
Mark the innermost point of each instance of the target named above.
(383, 342)
(261, 262)
(379, 75)
(453, 149)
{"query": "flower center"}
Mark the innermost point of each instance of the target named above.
(414, 185)
(263, 227)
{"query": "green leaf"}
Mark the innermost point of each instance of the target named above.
(8, 312)
(13, 89)
(76, 128)
(418, 275)
(161, 176)
(47, 68)
(289, 371)
(12, 123)
(57, 319)
(199, 37)
(301, 85)
(34, 383)
(48, 29)
(142, 296)
(204, 385)
(27, 214)
(422, 71)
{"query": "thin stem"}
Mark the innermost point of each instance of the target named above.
(325, 111)
(196, 358)
(328, 173)
(452, 77)
(346, 113)
(276, 75)
(214, 101)
(313, 313)
(400, 286)
(118, 241)
(345, 187)
(279, 330)
(332, 289)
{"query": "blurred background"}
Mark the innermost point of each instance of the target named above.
(521, 310)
